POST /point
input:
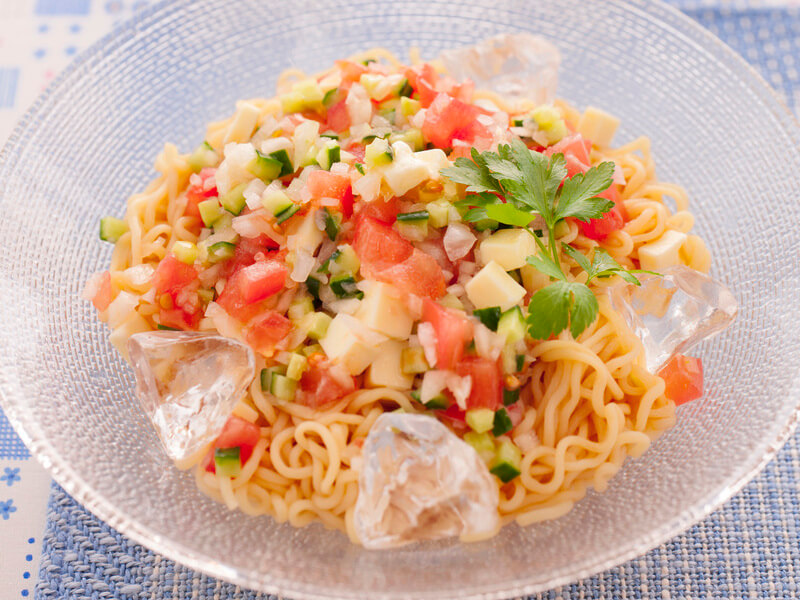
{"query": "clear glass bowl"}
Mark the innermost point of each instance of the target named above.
(90, 140)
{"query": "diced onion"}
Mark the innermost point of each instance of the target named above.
(433, 382)
(487, 343)
(526, 441)
(461, 388)
(226, 325)
(304, 263)
(348, 306)
(458, 241)
(122, 306)
(252, 194)
(427, 339)
(368, 187)
(252, 224)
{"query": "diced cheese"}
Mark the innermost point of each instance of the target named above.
(349, 343)
(386, 370)
(303, 138)
(533, 279)
(662, 253)
(409, 169)
(135, 323)
(436, 160)
(598, 126)
(508, 247)
(305, 234)
(384, 311)
(121, 307)
(244, 123)
(492, 286)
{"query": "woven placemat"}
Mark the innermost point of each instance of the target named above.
(748, 549)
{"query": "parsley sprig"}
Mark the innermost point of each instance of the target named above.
(515, 185)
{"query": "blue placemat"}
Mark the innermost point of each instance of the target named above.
(748, 549)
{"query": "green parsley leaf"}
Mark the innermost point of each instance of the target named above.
(546, 265)
(603, 265)
(473, 173)
(578, 197)
(508, 214)
(559, 305)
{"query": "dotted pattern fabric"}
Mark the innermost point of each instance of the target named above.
(747, 549)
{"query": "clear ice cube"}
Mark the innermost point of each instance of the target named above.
(421, 482)
(515, 65)
(673, 313)
(188, 384)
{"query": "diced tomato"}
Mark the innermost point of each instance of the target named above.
(346, 203)
(573, 145)
(422, 79)
(267, 330)
(338, 117)
(357, 150)
(451, 119)
(248, 251)
(251, 284)
(237, 433)
(351, 71)
(515, 412)
(419, 274)
(487, 382)
(435, 248)
(378, 245)
(318, 387)
(384, 211)
(453, 333)
(684, 378)
(455, 414)
(180, 282)
(598, 229)
(195, 194)
(324, 184)
(104, 294)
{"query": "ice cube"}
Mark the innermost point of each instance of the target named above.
(419, 481)
(188, 384)
(515, 65)
(673, 313)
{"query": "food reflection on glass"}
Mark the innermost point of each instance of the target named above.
(412, 302)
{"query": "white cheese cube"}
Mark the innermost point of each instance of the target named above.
(598, 126)
(662, 253)
(492, 286)
(386, 370)
(383, 310)
(508, 248)
(244, 123)
(533, 279)
(349, 343)
(435, 159)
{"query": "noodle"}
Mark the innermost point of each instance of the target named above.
(589, 403)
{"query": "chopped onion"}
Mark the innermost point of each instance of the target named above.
(358, 104)
(251, 225)
(414, 306)
(368, 187)
(195, 179)
(619, 176)
(252, 194)
(526, 441)
(275, 144)
(285, 299)
(458, 241)
(329, 202)
(419, 118)
(461, 388)
(122, 306)
(150, 296)
(340, 168)
(340, 374)
(304, 263)
(139, 276)
(433, 382)
(348, 306)
(93, 285)
(427, 339)
(487, 343)
(226, 325)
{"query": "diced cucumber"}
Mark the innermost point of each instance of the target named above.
(227, 461)
(480, 419)
(344, 286)
(482, 443)
(412, 137)
(220, 251)
(329, 154)
(330, 135)
(488, 316)
(282, 387)
(186, 252)
(451, 301)
(549, 120)
(286, 214)
(266, 377)
(300, 308)
(413, 360)
(419, 216)
(330, 97)
(510, 396)
(378, 153)
(331, 224)
(111, 229)
(224, 222)
(206, 295)
(502, 423)
(409, 107)
(506, 461)
(203, 156)
(439, 211)
(520, 362)
(210, 211)
(312, 284)
(512, 325)
(508, 356)
(360, 167)
(405, 90)
(265, 167)
(312, 349)
(316, 325)
(276, 201)
(345, 261)
(233, 201)
(297, 366)
(517, 122)
(437, 403)
(416, 231)
(292, 102)
(282, 156)
(561, 229)
(485, 225)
